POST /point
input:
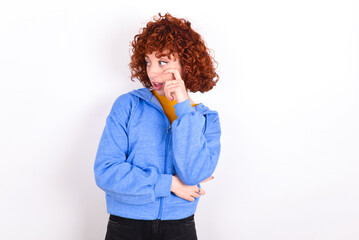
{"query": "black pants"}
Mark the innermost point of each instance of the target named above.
(120, 228)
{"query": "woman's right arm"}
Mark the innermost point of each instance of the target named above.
(118, 178)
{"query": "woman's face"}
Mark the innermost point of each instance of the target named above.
(156, 66)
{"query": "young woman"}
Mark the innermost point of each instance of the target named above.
(158, 145)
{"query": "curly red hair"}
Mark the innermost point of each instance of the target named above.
(169, 35)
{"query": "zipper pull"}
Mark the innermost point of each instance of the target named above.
(169, 130)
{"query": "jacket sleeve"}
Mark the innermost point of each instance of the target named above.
(196, 143)
(120, 179)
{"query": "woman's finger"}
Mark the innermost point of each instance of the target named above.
(174, 71)
(196, 195)
(169, 84)
(168, 94)
(170, 89)
(173, 86)
(202, 191)
(210, 178)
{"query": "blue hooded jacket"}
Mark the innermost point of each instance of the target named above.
(140, 150)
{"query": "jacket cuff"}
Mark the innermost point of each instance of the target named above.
(163, 186)
(183, 107)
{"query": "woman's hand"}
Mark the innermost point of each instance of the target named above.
(174, 87)
(187, 192)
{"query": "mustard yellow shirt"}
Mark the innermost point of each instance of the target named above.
(168, 106)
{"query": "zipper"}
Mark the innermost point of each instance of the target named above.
(169, 131)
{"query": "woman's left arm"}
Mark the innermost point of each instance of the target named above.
(196, 143)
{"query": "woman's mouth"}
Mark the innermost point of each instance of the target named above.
(157, 86)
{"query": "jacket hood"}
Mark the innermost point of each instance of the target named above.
(147, 95)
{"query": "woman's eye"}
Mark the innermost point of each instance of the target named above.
(162, 63)
(146, 62)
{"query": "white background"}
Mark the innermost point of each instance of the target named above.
(287, 98)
